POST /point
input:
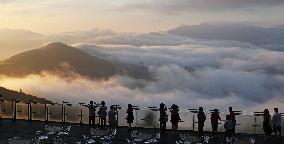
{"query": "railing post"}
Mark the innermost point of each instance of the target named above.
(193, 122)
(47, 114)
(12, 113)
(31, 112)
(28, 111)
(81, 113)
(255, 126)
(45, 111)
(62, 112)
(81, 116)
(15, 110)
(116, 117)
(194, 111)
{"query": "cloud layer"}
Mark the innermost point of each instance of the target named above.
(253, 75)
(201, 74)
(189, 72)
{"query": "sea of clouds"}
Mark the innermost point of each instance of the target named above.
(207, 73)
(190, 73)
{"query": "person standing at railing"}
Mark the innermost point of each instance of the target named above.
(163, 118)
(215, 117)
(276, 119)
(92, 113)
(112, 114)
(130, 116)
(201, 119)
(175, 118)
(233, 118)
(102, 114)
(266, 123)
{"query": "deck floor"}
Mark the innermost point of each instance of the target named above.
(27, 130)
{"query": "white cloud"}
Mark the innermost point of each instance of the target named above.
(219, 73)
(219, 76)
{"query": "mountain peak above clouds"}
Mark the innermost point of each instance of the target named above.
(60, 58)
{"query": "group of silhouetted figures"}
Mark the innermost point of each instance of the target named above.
(112, 115)
(270, 123)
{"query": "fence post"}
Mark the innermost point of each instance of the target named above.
(193, 122)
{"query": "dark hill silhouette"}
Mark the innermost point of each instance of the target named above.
(8, 95)
(58, 57)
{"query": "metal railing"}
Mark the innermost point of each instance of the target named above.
(147, 117)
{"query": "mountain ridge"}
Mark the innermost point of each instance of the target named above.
(253, 34)
(58, 56)
(8, 95)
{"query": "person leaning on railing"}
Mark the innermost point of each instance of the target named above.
(175, 118)
(92, 113)
(215, 117)
(276, 119)
(201, 119)
(112, 116)
(102, 114)
(130, 116)
(232, 116)
(163, 118)
(266, 123)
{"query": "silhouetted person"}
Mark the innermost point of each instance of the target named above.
(214, 121)
(266, 125)
(102, 114)
(92, 113)
(112, 114)
(130, 116)
(201, 119)
(276, 119)
(175, 117)
(163, 118)
(228, 126)
(233, 118)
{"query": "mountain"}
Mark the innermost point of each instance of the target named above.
(8, 95)
(59, 57)
(271, 37)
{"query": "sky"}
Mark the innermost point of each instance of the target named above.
(235, 63)
(53, 16)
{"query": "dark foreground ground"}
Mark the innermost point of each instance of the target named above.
(27, 130)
